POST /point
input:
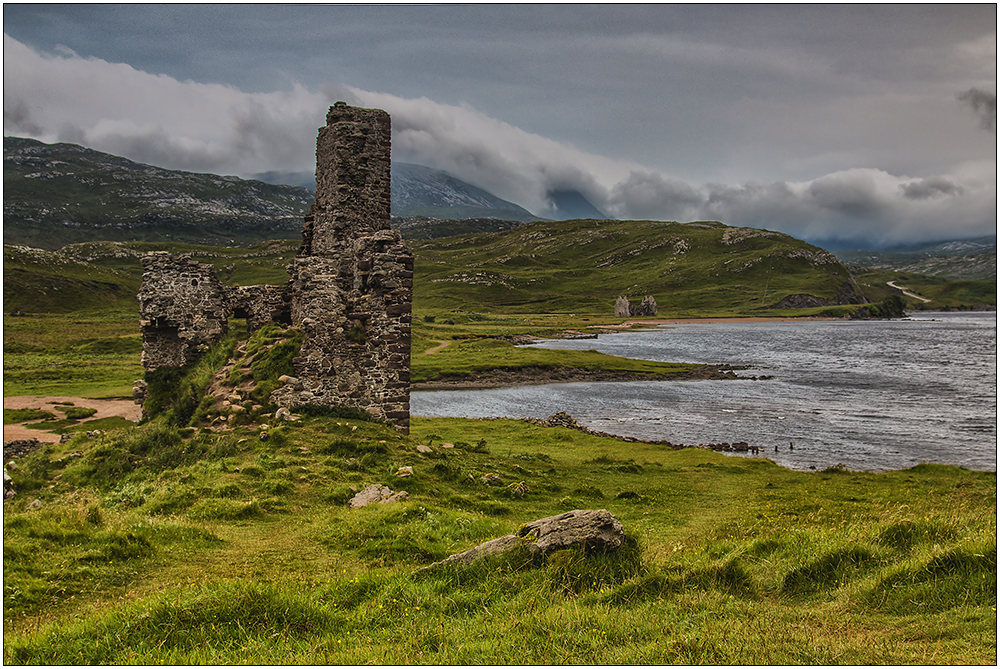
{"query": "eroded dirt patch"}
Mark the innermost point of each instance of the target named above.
(106, 408)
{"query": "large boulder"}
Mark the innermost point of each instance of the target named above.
(589, 530)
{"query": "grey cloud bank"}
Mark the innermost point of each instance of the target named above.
(850, 123)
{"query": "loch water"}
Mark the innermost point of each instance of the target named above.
(868, 395)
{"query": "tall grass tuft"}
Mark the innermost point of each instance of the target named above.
(960, 576)
(221, 617)
(831, 567)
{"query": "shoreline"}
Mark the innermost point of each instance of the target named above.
(536, 376)
(719, 319)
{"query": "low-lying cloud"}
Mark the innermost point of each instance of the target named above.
(194, 126)
(984, 104)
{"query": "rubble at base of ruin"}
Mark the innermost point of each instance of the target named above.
(349, 293)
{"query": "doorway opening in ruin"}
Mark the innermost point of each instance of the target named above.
(239, 321)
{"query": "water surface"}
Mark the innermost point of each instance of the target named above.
(871, 395)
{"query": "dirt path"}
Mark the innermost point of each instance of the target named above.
(124, 408)
(906, 292)
(434, 349)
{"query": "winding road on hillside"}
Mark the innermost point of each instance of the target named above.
(906, 292)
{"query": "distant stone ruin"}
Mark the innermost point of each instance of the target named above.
(623, 309)
(350, 289)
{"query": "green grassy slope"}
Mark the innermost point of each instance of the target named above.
(942, 292)
(161, 545)
(37, 281)
(695, 268)
(157, 546)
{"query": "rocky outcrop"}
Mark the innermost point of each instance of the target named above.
(891, 307)
(849, 293)
(588, 530)
(799, 301)
(20, 447)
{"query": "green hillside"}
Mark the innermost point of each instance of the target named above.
(693, 269)
(165, 546)
(37, 281)
(690, 269)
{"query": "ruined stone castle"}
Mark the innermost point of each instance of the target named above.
(623, 309)
(350, 288)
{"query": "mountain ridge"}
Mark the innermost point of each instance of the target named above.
(972, 259)
(56, 194)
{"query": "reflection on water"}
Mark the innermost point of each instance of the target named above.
(871, 395)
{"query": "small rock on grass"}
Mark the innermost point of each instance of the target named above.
(377, 494)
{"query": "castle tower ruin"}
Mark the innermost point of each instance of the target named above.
(352, 282)
(350, 291)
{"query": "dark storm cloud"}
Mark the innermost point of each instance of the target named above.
(854, 193)
(675, 88)
(984, 104)
(818, 120)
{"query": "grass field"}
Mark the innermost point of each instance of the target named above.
(154, 545)
(176, 544)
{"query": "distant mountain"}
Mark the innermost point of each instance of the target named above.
(954, 247)
(572, 204)
(55, 194)
(420, 191)
(963, 259)
(423, 191)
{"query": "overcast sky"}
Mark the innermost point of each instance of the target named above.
(874, 124)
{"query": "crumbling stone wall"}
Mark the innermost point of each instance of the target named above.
(261, 304)
(353, 161)
(623, 309)
(350, 290)
(645, 308)
(183, 310)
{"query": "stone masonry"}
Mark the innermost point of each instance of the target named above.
(350, 290)
(183, 310)
(623, 309)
